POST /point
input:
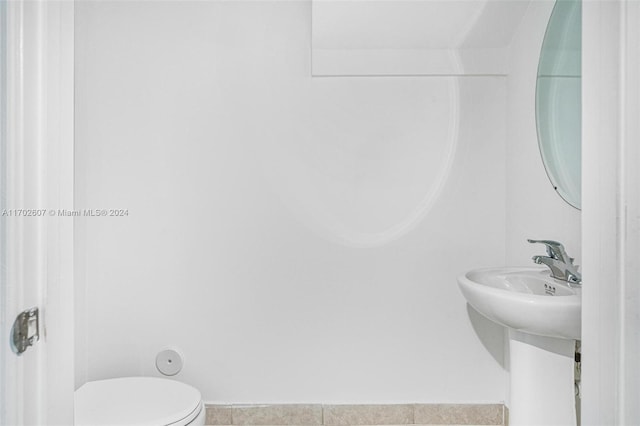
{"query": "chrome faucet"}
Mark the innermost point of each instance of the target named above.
(558, 261)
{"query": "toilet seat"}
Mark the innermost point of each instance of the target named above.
(139, 401)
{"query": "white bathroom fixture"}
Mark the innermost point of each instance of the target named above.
(542, 315)
(526, 299)
(138, 401)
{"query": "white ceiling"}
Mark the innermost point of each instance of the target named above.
(414, 25)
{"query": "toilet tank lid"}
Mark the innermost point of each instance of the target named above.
(136, 401)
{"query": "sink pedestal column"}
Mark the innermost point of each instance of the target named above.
(542, 390)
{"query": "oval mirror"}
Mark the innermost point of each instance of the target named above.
(558, 100)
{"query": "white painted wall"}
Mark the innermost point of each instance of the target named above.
(534, 209)
(281, 232)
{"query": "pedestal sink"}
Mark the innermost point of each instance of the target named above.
(542, 315)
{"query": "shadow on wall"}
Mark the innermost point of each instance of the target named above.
(491, 335)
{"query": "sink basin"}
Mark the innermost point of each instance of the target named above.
(542, 315)
(526, 299)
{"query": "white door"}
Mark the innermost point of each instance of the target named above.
(36, 249)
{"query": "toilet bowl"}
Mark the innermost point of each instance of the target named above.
(138, 401)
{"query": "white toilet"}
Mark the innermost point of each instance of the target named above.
(138, 401)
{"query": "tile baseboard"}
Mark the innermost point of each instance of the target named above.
(348, 415)
(356, 415)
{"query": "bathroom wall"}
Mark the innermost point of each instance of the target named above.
(534, 209)
(297, 239)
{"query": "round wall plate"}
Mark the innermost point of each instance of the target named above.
(169, 362)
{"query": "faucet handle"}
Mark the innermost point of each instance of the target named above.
(554, 249)
(550, 243)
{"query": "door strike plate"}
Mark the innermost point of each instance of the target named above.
(26, 330)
